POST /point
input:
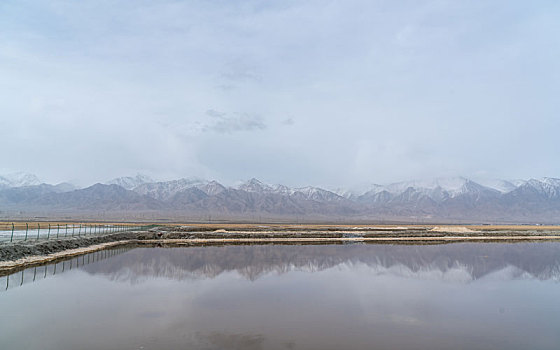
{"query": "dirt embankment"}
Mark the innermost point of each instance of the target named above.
(19, 249)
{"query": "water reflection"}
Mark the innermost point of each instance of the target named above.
(461, 262)
(38, 273)
(358, 296)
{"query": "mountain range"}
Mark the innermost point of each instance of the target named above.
(438, 200)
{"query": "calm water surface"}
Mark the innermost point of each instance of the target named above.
(355, 296)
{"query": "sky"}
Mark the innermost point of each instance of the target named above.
(326, 93)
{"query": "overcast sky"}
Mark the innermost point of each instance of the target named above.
(329, 93)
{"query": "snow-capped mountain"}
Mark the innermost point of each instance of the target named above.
(436, 190)
(549, 187)
(503, 186)
(445, 188)
(453, 186)
(316, 194)
(440, 199)
(130, 182)
(166, 189)
(308, 192)
(255, 185)
(19, 179)
(211, 188)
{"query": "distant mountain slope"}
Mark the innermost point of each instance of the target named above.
(453, 199)
(18, 179)
(165, 190)
(95, 197)
(130, 182)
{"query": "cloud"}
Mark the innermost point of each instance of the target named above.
(239, 71)
(383, 90)
(222, 123)
(289, 121)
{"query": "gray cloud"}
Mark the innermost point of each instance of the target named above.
(383, 91)
(240, 71)
(288, 121)
(222, 123)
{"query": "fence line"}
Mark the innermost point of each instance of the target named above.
(30, 275)
(13, 232)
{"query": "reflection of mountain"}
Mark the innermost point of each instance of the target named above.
(459, 262)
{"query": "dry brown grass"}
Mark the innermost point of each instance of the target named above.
(19, 225)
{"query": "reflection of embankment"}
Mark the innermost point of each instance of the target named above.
(464, 261)
(37, 273)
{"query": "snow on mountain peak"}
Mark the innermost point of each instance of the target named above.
(551, 181)
(452, 185)
(437, 189)
(503, 186)
(130, 182)
(548, 186)
(255, 185)
(211, 188)
(19, 179)
(167, 189)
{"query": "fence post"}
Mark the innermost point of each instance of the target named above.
(79, 230)
(12, 238)
(49, 233)
(38, 229)
(57, 230)
(26, 230)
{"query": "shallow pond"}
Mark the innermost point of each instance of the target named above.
(351, 296)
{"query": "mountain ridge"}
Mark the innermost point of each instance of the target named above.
(448, 199)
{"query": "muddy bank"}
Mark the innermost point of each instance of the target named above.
(21, 249)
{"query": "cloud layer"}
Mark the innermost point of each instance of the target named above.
(332, 93)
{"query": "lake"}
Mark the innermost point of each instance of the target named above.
(333, 296)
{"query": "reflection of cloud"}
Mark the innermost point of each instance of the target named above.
(221, 340)
(222, 123)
